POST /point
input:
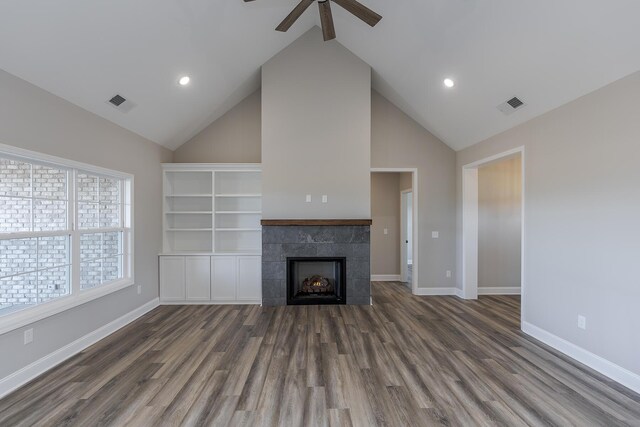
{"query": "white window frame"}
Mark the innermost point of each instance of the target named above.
(76, 297)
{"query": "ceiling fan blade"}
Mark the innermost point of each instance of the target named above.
(294, 15)
(326, 19)
(360, 10)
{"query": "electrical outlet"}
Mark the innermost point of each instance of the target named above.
(386, 231)
(28, 336)
(435, 234)
(308, 198)
(139, 289)
(448, 273)
(324, 198)
(582, 322)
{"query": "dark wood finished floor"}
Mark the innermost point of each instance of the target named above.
(404, 361)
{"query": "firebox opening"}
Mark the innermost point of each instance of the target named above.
(313, 280)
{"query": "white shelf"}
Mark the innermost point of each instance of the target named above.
(238, 212)
(189, 213)
(238, 229)
(238, 195)
(189, 229)
(189, 195)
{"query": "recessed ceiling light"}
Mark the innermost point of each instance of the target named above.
(448, 83)
(184, 80)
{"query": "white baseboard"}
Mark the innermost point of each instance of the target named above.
(595, 362)
(386, 277)
(231, 302)
(438, 291)
(499, 290)
(40, 366)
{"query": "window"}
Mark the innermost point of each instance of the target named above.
(65, 232)
(100, 209)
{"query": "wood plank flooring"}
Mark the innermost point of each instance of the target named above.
(405, 361)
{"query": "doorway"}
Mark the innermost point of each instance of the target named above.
(394, 232)
(406, 236)
(489, 232)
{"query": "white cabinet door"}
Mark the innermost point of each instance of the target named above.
(249, 278)
(172, 284)
(223, 278)
(198, 278)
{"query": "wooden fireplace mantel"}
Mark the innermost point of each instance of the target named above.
(316, 222)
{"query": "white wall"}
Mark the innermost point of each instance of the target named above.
(582, 213)
(398, 141)
(33, 119)
(316, 131)
(499, 224)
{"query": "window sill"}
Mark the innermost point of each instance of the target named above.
(31, 315)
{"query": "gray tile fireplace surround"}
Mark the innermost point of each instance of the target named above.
(282, 241)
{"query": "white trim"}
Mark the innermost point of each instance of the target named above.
(394, 169)
(615, 372)
(12, 381)
(415, 272)
(499, 290)
(438, 291)
(470, 224)
(404, 262)
(213, 302)
(500, 156)
(470, 233)
(207, 167)
(386, 277)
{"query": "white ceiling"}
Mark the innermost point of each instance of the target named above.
(547, 52)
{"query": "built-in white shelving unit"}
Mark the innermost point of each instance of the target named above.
(212, 208)
(211, 211)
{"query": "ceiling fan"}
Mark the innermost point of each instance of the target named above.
(326, 18)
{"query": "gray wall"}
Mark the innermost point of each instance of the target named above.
(582, 205)
(406, 181)
(399, 141)
(316, 131)
(233, 138)
(499, 223)
(33, 119)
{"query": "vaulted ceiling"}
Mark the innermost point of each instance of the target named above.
(546, 52)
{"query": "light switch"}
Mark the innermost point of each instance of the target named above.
(386, 231)
(435, 234)
(308, 198)
(324, 198)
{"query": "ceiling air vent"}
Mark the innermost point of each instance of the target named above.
(511, 105)
(121, 103)
(117, 100)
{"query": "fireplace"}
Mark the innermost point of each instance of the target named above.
(316, 280)
(337, 241)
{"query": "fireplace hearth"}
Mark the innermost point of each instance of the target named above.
(316, 280)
